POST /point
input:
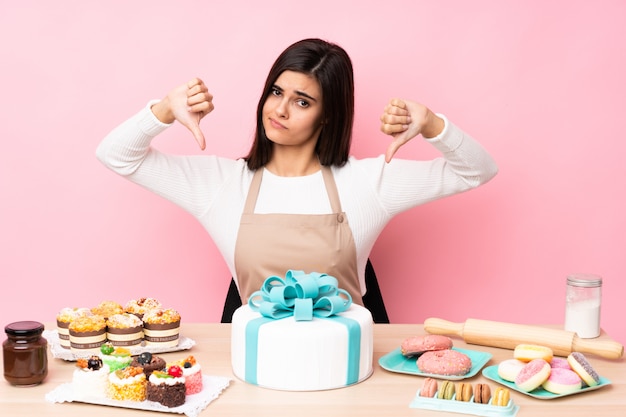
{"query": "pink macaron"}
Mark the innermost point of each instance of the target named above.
(562, 381)
(429, 389)
(532, 375)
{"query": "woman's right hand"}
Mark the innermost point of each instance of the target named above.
(188, 104)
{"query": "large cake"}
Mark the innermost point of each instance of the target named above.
(302, 333)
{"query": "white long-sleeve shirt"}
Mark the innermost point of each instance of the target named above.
(372, 192)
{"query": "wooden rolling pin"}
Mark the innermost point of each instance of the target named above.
(509, 335)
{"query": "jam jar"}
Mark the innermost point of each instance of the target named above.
(25, 353)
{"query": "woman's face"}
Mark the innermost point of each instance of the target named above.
(292, 113)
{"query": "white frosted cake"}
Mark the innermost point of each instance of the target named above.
(302, 355)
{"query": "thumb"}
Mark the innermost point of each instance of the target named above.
(198, 135)
(393, 148)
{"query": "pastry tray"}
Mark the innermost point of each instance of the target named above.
(58, 351)
(193, 406)
(464, 407)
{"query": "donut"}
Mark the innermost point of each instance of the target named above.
(559, 363)
(446, 390)
(444, 362)
(482, 394)
(501, 397)
(562, 381)
(416, 345)
(532, 375)
(429, 388)
(526, 353)
(583, 368)
(509, 368)
(464, 391)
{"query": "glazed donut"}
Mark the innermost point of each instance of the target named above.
(532, 375)
(562, 381)
(444, 362)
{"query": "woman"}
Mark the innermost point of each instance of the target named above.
(297, 200)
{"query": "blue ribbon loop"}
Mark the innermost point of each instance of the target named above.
(300, 295)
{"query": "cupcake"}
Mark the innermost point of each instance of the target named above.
(64, 318)
(192, 373)
(107, 308)
(124, 330)
(128, 384)
(140, 306)
(149, 363)
(87, 333)
(90, 378)
(161, 327)
(167, 387)
(115, 357)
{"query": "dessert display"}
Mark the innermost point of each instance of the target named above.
(148, 362)
(167, 387)
(124, 329)
(90, 377)
(161, 327)
(128, 384)
(115, 357)
(87, 333)
(141, 306)
(284, 344)
(64, 318)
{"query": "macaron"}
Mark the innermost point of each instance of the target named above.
(527, 352)
(446, 390)
(501, 397)
(532, 375)
(429, 388)
(482, 393)
(464, 391)
(583, 368)
(562, 381)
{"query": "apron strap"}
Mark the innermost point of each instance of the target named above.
(329, 182)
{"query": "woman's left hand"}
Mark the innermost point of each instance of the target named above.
(403, 120)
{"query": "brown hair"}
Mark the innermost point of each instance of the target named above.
(331, 66)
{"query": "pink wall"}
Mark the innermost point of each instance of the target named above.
(541, 86)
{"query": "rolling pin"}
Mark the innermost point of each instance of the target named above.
(509, 335)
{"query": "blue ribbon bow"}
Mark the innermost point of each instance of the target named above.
(300, 295)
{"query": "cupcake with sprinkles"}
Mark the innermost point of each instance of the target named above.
(161, 327)
(124, 330)
(140, 306)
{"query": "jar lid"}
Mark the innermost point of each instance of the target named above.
(584, 280)
(24, 328)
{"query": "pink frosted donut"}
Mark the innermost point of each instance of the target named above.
(562, 381)
(444, 362)
(508, 369)
(559, 363)
(532, 375)
(416, 345)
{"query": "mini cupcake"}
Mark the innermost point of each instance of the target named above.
(107, 308)
(115, 357)
(64, 318)
(124, 330)
(167, 387)
(192, 373)
(128, 384)
(90, 378)
(149, 363)
(140, 306)
(87, 333)
(161, 327)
